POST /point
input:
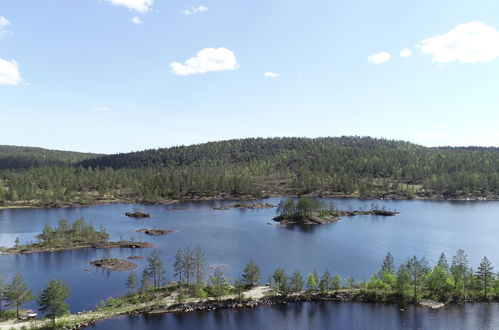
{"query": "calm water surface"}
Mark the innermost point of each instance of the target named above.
(323, 315)
(354, 246)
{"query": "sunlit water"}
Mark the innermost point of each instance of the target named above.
(354, 246)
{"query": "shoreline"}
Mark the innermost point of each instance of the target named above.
(109, 245)
(259, 296)
(21, 205)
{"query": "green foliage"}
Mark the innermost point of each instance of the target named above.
(485, 275)
(218, 282)
(52, 299)
(296, 282)
(279, 281)
(312, 281)
(18, 293)
(251, 274)
(155, 269)
(131, 282)
(365, 167)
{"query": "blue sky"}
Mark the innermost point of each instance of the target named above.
(120, 75)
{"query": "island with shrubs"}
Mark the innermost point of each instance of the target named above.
(311, 211)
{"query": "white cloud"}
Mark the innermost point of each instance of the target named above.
(9, 73)
(442, 126)
(271, 74)
(379, 58)
(467, 43)
(99, 109)
(206, 60)
(406, 52)
(137, 20)
(195, 10)
(142, 6)
(3, 24)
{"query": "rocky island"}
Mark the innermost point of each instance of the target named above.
(114, 264)
(155, 231)
(309, 211)
(72, 236)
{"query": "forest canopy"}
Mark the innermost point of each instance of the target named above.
(343, 166)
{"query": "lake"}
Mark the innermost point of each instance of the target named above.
(318, 315)
(354, 246)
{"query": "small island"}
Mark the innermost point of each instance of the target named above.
(114, 264)
(137, 213)
(155, 231)
(310, 211)
(245, 206)
(72, 236)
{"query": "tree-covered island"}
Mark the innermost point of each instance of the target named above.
(312, 211)
(71, 236)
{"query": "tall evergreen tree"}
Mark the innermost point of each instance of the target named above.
(52, 300)
(18, 293)
(131, 282)
(199, 264)
(417, 270)
(460, 270)
(155, 268)
(387, 267)
(218, 281)
(443, 263)
(251, 274)
(485, 274)
(296, 281)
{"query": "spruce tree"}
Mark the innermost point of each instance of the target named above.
(52, 300)
(18, 293)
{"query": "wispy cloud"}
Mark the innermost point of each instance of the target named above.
(141, 6)
(207, 60)
(466, 43)
(9, 73)
(137, 20)
(379, 58)
(271, 74)
(406, 52)
(194, 10)
(4, 23)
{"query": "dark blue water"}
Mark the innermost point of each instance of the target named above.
(323, 315)
(354, 246)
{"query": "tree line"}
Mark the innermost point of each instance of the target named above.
(357, 166)
(51, 300)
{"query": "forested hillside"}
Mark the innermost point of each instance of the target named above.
(12, 157)
(344, 166)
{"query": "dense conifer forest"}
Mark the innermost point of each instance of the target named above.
(257, 167)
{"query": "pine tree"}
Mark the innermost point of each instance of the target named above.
(218, 281)
(460, 270)
(155, 268)
(131, 282)
(296, 282)
(387, 267)
(145, 282)
(325, 282)
(417, 270)
(199, 266)
(18, 293)
(442, 262)
(251, 274)
(52, 299)
(2, 293)
(178, 265)
(485, 274)
(312, 281)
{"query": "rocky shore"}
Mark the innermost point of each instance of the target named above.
(328, 217)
